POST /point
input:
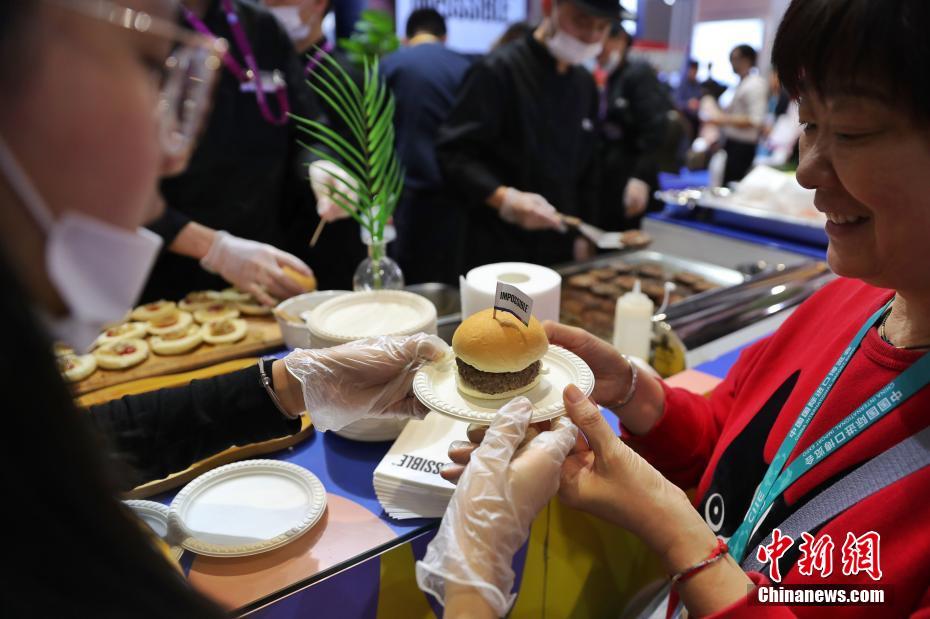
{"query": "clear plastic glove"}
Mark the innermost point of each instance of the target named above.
(498, 496)
(530, 211)
(635, 197)
(326, 180)
(254, 267)
(363, 379)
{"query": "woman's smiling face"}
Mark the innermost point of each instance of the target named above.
(869, 162)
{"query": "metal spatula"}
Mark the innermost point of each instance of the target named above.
(607, 240)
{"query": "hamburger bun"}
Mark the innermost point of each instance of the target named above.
(500, 343)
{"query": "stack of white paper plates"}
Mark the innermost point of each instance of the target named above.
(359, 315)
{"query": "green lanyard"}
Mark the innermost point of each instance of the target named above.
(777, 478)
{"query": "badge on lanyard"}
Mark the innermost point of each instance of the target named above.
(266, 83)
(271, 82)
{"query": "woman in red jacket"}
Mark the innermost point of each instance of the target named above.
(841, 383)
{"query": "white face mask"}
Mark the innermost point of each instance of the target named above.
(567, 48)
(613, 61)
(97, 269)
(289, 18)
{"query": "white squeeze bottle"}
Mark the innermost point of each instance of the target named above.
(633, 323)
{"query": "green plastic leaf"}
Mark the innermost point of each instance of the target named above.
(353, 121)
(368, 155)
(349, 154)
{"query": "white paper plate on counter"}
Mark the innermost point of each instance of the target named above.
(435, 386)
(359, 315)
(155, 515)
(247, 508)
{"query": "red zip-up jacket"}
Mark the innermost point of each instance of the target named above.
(723, 444)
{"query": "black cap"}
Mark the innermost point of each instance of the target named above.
(617, 28)
(603, 8)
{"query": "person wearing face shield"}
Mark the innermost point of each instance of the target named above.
(633, 121)
(80, 158)
(518, 147)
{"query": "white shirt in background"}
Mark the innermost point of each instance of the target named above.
(751, 100)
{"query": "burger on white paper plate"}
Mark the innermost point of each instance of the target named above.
(498, 357)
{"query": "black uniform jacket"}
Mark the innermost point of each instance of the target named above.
(518, 122)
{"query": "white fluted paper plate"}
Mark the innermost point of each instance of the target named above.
(435, 386)
(155, 515)
(247, 508)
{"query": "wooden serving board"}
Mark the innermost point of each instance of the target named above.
(232, 454)
(263, 335)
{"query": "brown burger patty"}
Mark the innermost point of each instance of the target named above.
(602, 274)
(496, 382)
(582, 281)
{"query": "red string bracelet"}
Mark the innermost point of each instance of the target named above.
(716, 554)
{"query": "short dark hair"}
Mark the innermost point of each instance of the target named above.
(833, 46)
(617, 30)
(426, 20)
(748, 52)
(516, 30)
(693, 64)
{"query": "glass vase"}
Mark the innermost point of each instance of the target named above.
(378, 271)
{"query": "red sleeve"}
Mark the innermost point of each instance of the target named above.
(681, 443)
(923, 609)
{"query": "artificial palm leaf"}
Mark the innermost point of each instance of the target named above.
(365, 151)
(373, 36)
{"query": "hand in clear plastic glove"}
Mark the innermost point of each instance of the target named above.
(530, 211)
(511, 476)
(253, 267)
(363, 379)
(325, 177)
(635, 197)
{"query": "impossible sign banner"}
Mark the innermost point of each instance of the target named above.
(514, 301)
(473, 25)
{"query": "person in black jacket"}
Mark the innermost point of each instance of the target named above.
(339, 248)
(80, 155)
(518, 146)
(230, 209)
(633, 116)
